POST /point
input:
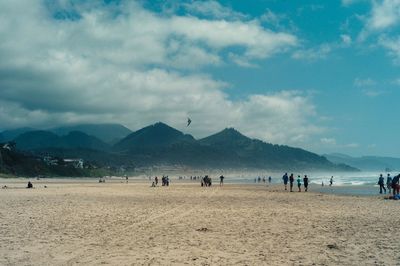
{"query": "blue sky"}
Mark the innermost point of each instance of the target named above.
(321, 75)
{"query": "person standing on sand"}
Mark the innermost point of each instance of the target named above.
(285, 180)
(305, 180)
(291, 180)
(156, 180)
(299, 183)
(396, 185)
(331, 181)
(269, 179)
(221, 180)
(389, 183)
(381, 183)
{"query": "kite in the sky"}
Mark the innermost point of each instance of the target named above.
(189, 121)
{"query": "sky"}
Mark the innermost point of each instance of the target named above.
(320, 75)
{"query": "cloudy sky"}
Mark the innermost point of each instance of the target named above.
(321, 75)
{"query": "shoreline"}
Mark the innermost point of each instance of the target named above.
(345, 190)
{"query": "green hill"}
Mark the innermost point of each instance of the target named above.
(109, 133)
(41, 139)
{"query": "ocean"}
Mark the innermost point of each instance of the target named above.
(358, 183)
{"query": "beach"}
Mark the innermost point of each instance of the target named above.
(114, 223)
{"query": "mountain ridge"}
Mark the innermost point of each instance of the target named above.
(161, 144)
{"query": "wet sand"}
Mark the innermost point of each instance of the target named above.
(83, 222)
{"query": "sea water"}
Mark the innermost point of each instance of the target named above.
(354, 183)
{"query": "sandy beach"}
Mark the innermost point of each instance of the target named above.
(84, 222)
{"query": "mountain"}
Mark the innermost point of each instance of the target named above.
(40, 139)
(228, 137)
(77, 139)
(256, 153)
(13, 162)
(13, 133)
(109, 133)
(154, 136)
(162, 144)
(366, 163)
(37, 139)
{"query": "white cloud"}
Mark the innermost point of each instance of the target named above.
(352, 145)
(328, 141)
(213, 9)
(271, 17)
(351, 2)
(134, 66)
(346, 39)
(373, 92)
(384, 14)
(320, 52)
(359, 82)
(396, 82)
(392, 45)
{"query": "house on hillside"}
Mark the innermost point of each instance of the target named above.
(77, 163)
(8, 145)
(50, 160)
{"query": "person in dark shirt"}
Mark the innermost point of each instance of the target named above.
(396, 185)
(305, 181)
(221, 180)
(285, 180)
(381, 183)
(291, 181)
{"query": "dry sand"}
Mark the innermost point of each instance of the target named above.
(89, 223)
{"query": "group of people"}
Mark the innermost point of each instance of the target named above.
(206, 181)
(258, 179)
(191, 177)
(290, 179)
(391, 184)
(164, 181)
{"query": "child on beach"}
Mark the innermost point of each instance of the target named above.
(299, 183)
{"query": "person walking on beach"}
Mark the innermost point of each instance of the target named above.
(156, 180)
(299, 183)
(389, 183)
(305, 180)
(285, 180)
(221, 180)
(331, 181)
(381, 183)
(396, 185)
(291, 180)
(269, 179)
